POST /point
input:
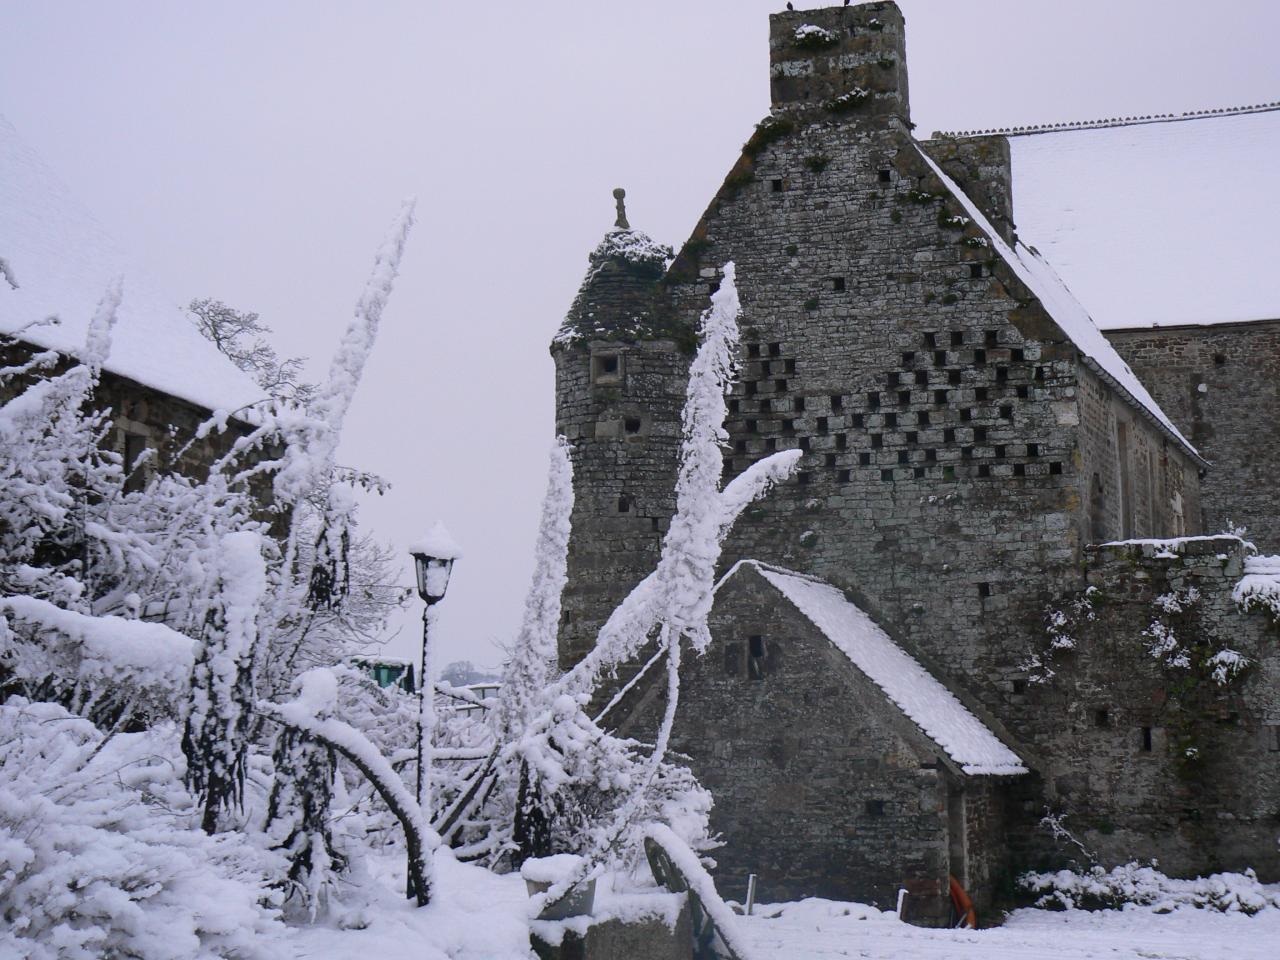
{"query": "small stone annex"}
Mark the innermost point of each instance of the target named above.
(999, 600)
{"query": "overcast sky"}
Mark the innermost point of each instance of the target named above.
(256, 151)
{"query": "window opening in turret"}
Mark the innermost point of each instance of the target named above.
(631, 425)
(776, 185)
(606, 368)
(884, 175)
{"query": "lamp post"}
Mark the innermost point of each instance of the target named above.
(433, 558)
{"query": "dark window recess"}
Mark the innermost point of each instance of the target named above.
(966, 415)
(953, 378)
(837, 402)
(1219, 359)
(1023, 392)
(842, 441)
(984, 590)
(765, 405)
(940, 358)
(957, 338)
(993, 337)
(894, 379)
(780, 386)
(877, 441)
(940, 397)
(789, 366)
(822, 424)
(735, 406)
(844, 476)
(979, 434)
(873, 401)
(886, 474)
(753, 350)
(1006, 413)
(975, 271)
(1000, 450)
(883, 175)
(1019, 686)
(984, 470)
(1033, 449)
(1017, 355)
(918, 473)
(804, 478)
(755, 662)
(753, 426)
(948, 472)
(864, 459)
(606, 367)
(1002, 374)
(771, 444)
(931, 340)
(776, 185)
(631, 424)
(655, 524)
(875, 808)
(788, 427)
(1274, 745)
(775, 349)
(624, 505)
(904, 457)
(922, 378)
(135, 445)
(798, 404)
(1019, 469)
(837, 284)
(1101, 717)
(890, 419)
(908, 358)
(804, 443)
(739, 446)
(1039, 373)
(949, 435)
(980, 393)
(1055, 468)
(966, 453)
(830, 460)
(750, 387)
(979, 357)
(904, 397)
(1146, 739)
(911, 436)
(931, 456)
(923, 418)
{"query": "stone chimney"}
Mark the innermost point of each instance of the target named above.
(845, 61)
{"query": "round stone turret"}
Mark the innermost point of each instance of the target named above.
(622, 366)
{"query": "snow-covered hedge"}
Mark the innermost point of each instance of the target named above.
(1132, 883)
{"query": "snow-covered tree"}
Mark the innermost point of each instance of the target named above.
(241, 336)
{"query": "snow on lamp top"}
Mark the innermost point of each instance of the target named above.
(437, 543)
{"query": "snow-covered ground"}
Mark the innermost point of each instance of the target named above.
(824, 930)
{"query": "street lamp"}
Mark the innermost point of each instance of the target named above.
(433, 558)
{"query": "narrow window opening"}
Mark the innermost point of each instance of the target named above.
(975, 271)
(1219, 359)
(1019, 686)
(864, 459)
(1019, 469)
(957, 338)
(922, 378)
(1101, 717)
(750, 387)
(606, 368)
(908, 358)
(830, 460)
(873, 401)
(755, 662)
(837, 402)
(1055, 469)
(931, 340)
(890, 419)
(798, 404)
(135, 446)
(753, 350)
(844, 476)
(904, 457)
(966, 415)
(1039, 373)
(948, 472)
(771, 444)
(1033, 449)
(886, 474)
(1146, 739)
(624, 505)
(735, 406)
(979, 357)
(984, 590)
(1002, 374)
(790, 366)
(949, 435)
(1017, 355)
(980, 393)
(1000, 451)
(1006, 413)
(1023, 392)
(882, 174)
(775, 349)
(631, 425)
(804, 443)
(842, 441)
(923, 418)
(776, 185)
(765, 405)
(877, 441)
(822, 424)
(780, 386)
(804, 478)
(940, 397)
(931, 456)
(984, 470)
(993, 337)
(918, 473)
(894, 379)
(979, 434)
(911, 436)
(753, 426)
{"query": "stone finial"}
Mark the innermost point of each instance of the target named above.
(620, 196)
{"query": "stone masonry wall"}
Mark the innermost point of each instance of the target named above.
(1221, 385)
(821, 787)
(1150, 756)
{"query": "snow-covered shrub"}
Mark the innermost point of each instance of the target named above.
(98, 858)
(848, 101)
(1259, 588)
(633, 247)
(1133, 883)
(810, 36)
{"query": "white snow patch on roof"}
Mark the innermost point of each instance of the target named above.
(62, 261)
(1064, 308)
(1157, 223)
(924, 700)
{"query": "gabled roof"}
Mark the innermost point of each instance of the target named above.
(1036, 274)
(62, 260)
(1152, 221)
(920, 696)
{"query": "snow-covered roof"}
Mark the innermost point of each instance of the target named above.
(61, 260)
(1159, 221)
(916, 692)
(1034, 271)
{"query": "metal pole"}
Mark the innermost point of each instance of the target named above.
(426, 727)
(751, 893)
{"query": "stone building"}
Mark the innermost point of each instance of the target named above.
(162, 379)
(972, 443)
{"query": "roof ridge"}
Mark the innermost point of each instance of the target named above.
(1112, 121)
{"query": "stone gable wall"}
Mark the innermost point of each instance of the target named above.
(1221, 385)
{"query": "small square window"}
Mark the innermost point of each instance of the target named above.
(624, 504)
(984, 590)
(957, 338)
(1000, 450)
(830, 460)
(911, 436)
(804, 443)
(1101, 717)
(765, 405)
(842, 441)
(1002, 374)
(886, 474)
(1019, 469)
(984, 470)
(797, 404)
(750, 387)
(873, 401)
(837, 284)
(979, 434)
(739, 446)
(966, 453)
(606, 368)
(1039, 373)
(844, 476)
(1055, 469)
(979, 357)
(1023, 392)
(790, 366)
(940, 358)
(837, 402)
(923, 418)
(804, 478)
(918, 473)
(940, 397)
(966, 415)
(908, 358)
(922, 378)
(948, 472)
(776, 185)
(890, 419)
(875, 808)
(775, 349)
(822, 424)
(735, 406)
(631, 425)
(894, 379)
(753, 426)
(877, 441)
(949, 435)
(1033, 449)
(1017, 355)
(975, 271)
(864, 459)
(980, 393)
(904, 397)
(904, 457)
(780, 386)
(993, 337)
(931, 456)
(753, 350)
(931, 340)
(1019, 686)
(884, 176)
(1006, 413)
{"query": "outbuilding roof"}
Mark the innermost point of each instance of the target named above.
(58, 263)
(921, 697)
